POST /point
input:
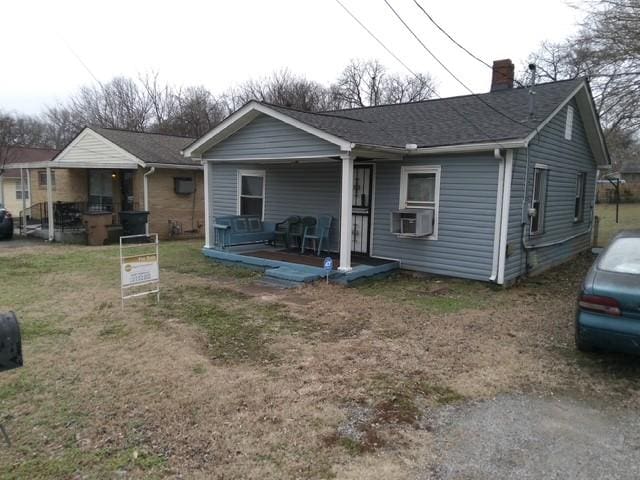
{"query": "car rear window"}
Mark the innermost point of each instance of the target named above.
(622, 256)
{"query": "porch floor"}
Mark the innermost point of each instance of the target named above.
(291, 265)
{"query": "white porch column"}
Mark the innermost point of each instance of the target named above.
(346, 214)
(50, 206)
(207, 220)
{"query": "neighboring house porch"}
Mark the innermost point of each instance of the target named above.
(114, 171)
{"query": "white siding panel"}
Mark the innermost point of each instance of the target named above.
(91, 148)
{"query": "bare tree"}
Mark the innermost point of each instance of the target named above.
(121, 103)
(365, 83)
(607, 51)
(280, 88)
(163, 101)
(198, 111)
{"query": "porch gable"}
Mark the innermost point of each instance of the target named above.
(266, 137)
(91, 150)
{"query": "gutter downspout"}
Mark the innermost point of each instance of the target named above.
(498, 222)
(145, 183)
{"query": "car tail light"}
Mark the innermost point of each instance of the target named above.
(595, 303)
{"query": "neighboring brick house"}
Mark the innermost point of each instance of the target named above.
(118, 170)
(17, 192)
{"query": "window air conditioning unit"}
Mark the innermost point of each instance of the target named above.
(412, 222)
(183, 185)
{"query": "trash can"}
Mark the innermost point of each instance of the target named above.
(134, 223)
(96, 226)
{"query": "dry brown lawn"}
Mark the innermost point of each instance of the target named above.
(229, 378)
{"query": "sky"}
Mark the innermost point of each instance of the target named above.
(58, 46)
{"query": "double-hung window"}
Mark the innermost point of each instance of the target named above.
(251, 185)
(420, 188)
(578, 210)
(20, 194)
(540, 174)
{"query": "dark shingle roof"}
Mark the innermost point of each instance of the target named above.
(150, 147)
(447, 121)
(24, 155)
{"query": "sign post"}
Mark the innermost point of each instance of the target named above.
(139, 266)
(328, 266)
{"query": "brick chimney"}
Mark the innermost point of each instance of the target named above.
(502, 78)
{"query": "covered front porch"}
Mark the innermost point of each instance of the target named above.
(290, 265)
(63, 196)
(267, 193)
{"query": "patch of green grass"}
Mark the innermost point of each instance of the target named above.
(441, 394)
(628, 218)
(21, 384)
(187, 257)
(437, 295)
(33, 329)
(114, 330)
(72, 462)
(199, 369)
(236, 327)
(397, 387)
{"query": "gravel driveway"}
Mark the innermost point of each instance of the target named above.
(527, 437)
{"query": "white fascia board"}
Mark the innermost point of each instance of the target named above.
(248, 113)
(470, 147)
(172, 166)
(276, 159)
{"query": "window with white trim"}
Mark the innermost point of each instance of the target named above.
(420, 188)
(20, 194)
(251, 185)
(538, 200)
(568, 126)
(578, 210)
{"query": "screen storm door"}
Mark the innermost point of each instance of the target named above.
(362, 187)
(251, 192)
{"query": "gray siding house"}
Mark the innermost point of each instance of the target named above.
(489, 187)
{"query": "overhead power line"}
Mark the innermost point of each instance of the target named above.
(447, 68)
(475, 57)
(377, 39)
(456, 110)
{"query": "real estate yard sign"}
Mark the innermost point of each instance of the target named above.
(139, 272)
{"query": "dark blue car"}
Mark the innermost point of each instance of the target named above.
(608, 315)
(6, 224)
